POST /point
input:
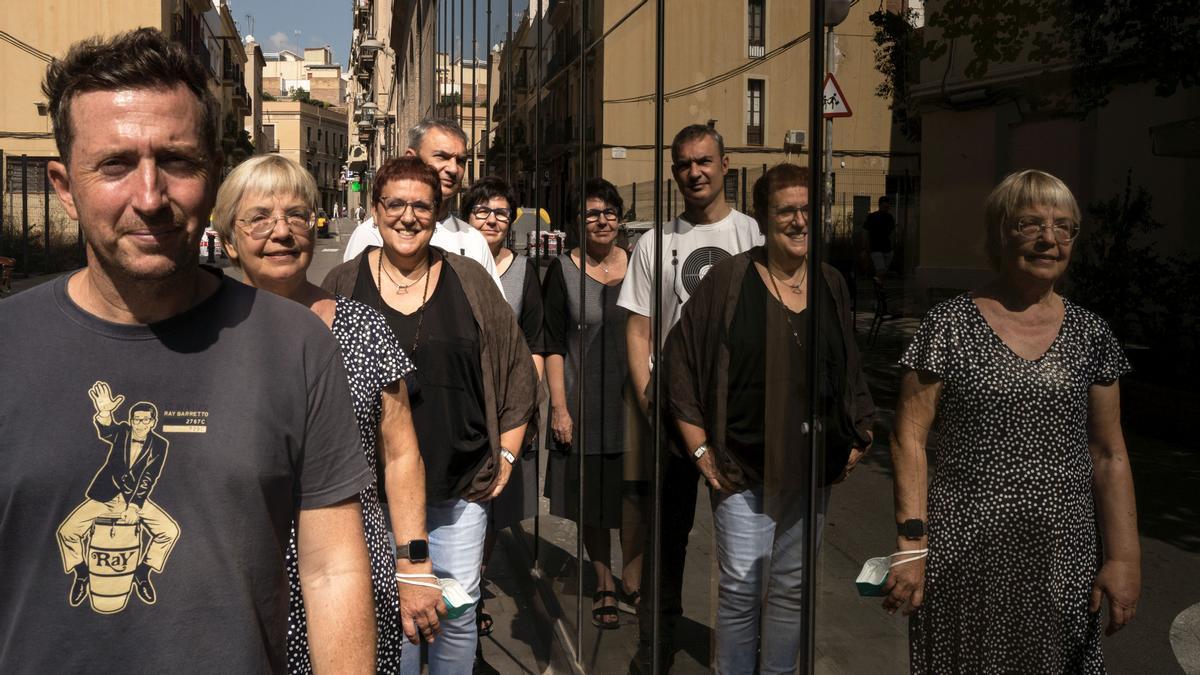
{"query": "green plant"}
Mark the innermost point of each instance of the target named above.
(1150, 302)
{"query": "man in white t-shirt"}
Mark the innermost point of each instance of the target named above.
(707, 232)
(441, 144)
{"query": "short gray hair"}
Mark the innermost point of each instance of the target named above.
(1019, 190)
(417, 134)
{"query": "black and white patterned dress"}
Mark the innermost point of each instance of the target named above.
(373, 360)
(1013, 540)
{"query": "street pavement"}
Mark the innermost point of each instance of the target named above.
(853, 634)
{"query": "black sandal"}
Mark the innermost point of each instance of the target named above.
(483, 620)
(600, 614)
(627, 601)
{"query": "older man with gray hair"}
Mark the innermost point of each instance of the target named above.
(441, 144)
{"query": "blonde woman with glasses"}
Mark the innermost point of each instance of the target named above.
(264, 214)
(1030, 520)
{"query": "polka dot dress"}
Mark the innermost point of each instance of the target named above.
(1013, 540)
(373, 360)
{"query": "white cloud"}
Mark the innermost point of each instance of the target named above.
(279, 41)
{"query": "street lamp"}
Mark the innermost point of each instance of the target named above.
(369, 110)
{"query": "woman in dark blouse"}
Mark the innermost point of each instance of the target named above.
(738, 388)
(597, 355)
(490, 207)
(475, 377)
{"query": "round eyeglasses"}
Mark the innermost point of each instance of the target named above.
(1063, 229)
(261, 226)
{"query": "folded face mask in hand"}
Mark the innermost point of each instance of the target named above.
(457, 600)
(874, 574)
(455, 597)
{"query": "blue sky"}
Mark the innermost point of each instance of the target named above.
(274, 23)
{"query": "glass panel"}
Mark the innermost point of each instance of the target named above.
(557, 92)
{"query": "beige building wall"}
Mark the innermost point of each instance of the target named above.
(709, 70)
(254, 85)
(51, 27)
(314, 137)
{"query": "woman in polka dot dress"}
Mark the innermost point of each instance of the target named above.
(274, 255)
(1030, 515)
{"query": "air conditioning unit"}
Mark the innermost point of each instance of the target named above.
(795, 137)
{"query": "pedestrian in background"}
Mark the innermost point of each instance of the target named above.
(1030, 519)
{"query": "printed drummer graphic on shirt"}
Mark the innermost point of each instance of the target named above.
(117, 536)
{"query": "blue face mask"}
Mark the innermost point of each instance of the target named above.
(874, 574)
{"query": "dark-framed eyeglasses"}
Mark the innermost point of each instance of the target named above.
(594, 215)
(1065, 230)
(260, 226)
(788, 214)
(482, 211)
(395, 208)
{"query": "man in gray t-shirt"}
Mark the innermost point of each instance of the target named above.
(162, 426)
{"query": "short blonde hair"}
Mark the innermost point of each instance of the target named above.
(1019, 190)
(266, 175)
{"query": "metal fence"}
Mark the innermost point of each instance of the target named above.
(34, 228)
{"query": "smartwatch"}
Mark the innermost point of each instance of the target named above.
(913, 528)
(699, 452)
(416, 550)
(508, 456)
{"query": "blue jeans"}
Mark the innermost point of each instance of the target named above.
(760, 556)
(456, 531)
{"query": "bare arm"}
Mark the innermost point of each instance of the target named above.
(919, 392)
(694, 437)
(561, 424)
(335, 577)
(539, 364)
(404, 478)
(638, 347)
(1120, 576)
(510, 440)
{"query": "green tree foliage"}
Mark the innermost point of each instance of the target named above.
(1106, 42)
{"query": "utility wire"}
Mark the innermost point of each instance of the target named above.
(717, 79)
(25, 47)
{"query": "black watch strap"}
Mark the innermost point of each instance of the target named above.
(913, 528)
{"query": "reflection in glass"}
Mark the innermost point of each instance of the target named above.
(585, 340)
(738, 391)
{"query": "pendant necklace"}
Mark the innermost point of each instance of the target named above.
(400, 288)
(786, 312)
(424, 294)
(796, 287)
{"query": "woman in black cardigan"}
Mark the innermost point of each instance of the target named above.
(738, 388)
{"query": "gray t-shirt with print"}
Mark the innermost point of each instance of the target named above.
(228, 419)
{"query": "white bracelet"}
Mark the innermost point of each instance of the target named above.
(407, 579)
(508, 456)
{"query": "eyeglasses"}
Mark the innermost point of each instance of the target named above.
(594, 215)
(1064, 230)
(788, 214)
(261, 226)
(140, 420)
(482, 212)
(396, 208)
